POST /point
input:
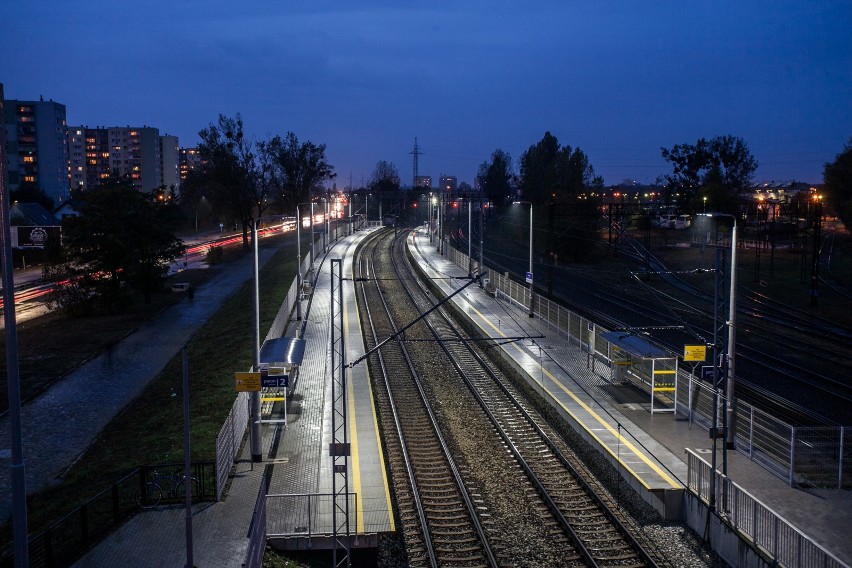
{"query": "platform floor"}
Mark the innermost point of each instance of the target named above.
(300, 486)
(648, 449)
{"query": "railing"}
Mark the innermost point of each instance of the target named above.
(755, 522)
(257, 531)
(69, 538)
(806, 456)
(306, 514)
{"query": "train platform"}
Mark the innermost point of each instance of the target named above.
(648, 450)
(296, 464)
(299, 495)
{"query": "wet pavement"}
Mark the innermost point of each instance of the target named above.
(60, 424)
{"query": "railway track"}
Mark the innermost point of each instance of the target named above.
(552, 513)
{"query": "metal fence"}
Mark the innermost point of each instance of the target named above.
(257, 531)
(307, 515)
(69, 538)
(757, 523)
(803, 456)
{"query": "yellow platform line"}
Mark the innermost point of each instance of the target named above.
(665, 372)
(621, 439)
(381, 459)
(356, 471)
(353, 440)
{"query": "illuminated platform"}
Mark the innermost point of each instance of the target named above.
(299, 503)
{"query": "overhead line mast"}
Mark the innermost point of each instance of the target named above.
(416, 153)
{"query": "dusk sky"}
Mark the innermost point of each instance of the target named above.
(617, 79)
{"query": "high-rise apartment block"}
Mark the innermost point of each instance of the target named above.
(448, 183)
(169, 162)
(148, 159)
(36, 151)
(190, 159)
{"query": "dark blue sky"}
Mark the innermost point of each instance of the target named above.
(617, 79)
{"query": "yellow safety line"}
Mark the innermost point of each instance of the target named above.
(378, 442)
(353, 439)
(381, 458)
(597, 417)
(669, 372)
(663, 389)
(272, 399)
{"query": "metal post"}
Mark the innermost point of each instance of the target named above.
(732, 342)
(840, 460)
(298, 264)
(469, 235)
(532, 299)
(256, 452)
(187, 472)
(19, 491)
(481, 234)
(325, 225)
(312, 235)
(429, 224)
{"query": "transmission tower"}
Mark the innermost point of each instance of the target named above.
(416, 153)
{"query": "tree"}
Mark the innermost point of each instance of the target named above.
(385, 177)
(723, 160)
(554, 173)
(495, 177)
(28, 192)
(239, 175)
(302, 168)
(121, 237)
(837, 177)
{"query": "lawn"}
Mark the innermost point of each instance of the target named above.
(149, 430)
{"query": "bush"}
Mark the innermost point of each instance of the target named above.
(215, 255)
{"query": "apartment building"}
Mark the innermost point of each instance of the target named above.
(36, 150)
(148, 159)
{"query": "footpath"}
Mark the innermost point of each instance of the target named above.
(60, 424)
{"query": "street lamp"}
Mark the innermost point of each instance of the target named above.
(529, 276)
(705, 203)
(299, 276)
(731, 355)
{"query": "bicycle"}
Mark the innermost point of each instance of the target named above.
(168, 486)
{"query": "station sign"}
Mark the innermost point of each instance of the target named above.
(529, 277)
(247, 382)
(694, 352)
(275, 381)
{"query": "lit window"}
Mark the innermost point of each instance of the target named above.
(29, 159)
(29, 178)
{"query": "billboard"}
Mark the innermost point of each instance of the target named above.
(34, 236)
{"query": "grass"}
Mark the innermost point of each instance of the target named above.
(149, 429)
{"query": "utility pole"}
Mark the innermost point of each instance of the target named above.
(19, 489)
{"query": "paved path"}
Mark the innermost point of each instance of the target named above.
(60, 424)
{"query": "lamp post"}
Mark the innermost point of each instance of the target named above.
(299, 276)
(530, 273)
(469, 235)
(254, 398)
(705, 203)
(732, 329)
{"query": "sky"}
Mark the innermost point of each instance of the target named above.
(617, 79)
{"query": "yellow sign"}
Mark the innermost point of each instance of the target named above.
(247, 382)
(694, 352)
